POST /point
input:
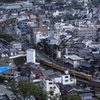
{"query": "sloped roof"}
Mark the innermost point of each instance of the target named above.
(51, 38)
(48, 72)
(75, 57)
(36, 71)
(85, 64)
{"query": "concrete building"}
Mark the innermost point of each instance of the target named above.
(73, 60)
(85, 30)
(30, 53)
(11, 74)
(41, 27)
(57, 77)
(16, 45)
(65, 79)
(38, 36)
(22, 5)
(49, 85)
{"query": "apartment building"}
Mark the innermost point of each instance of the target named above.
(85, 30)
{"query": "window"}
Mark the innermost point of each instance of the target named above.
(50, 82)
(66, 80)
(50, 87)
(54, 87)
(66, 76)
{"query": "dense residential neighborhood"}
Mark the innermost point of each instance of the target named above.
(50, 50)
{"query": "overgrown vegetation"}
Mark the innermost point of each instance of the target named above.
(23, 90)
(2, 78)
(8, 37)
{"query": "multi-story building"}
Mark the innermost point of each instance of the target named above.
(85, 30)
(51, 87)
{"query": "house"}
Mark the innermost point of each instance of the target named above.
(73, 60)
(58, 13)
(49, 6)
(50, 86)
(5, 94)
(57, 77)
(63, 27)
(11, 74)
(38, 36)
(82, 92)
(87, 96)
(64, 79)
(16, 45)
(25, 78)
(84, 53)
(13, 51)
(35, 75)
(51, 40)
(22, 17)
(21, 5)
(26, 68)
(87, 68)
(68, 89)
(4, 52)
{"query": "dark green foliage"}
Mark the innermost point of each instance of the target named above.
(24, 89)
(70, 97)
(7, 37)
(2, 78)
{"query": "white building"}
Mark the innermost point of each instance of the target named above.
(73, 60)
(23, 17)
(85, 30)
(16, 45)
(17, 31)
(63, 27)
(30, 53)
(58, 13)
(38, 36)
(65, 79)
(49, 85)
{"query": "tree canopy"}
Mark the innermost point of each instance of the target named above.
(23, 90)
(7, 37)
(2, 78)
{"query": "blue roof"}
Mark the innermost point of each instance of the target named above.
(4, 68)
(96, 52)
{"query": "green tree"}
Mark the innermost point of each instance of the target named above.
(7, 37)
(97, 98)
(70, 97)
(2, 78)
(23, 90)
